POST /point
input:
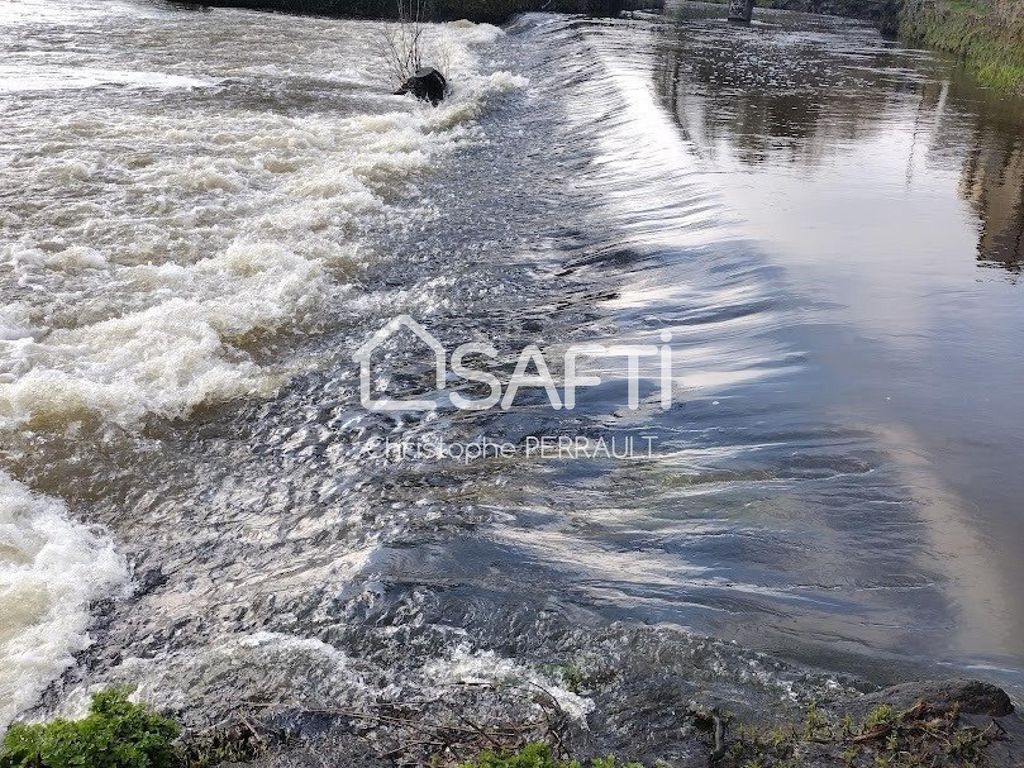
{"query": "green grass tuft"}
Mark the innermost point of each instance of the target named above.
(539, 756)
(115, 734)
(972, 30)
(880, 715)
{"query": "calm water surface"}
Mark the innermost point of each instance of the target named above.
(869, 207)
(889, 188)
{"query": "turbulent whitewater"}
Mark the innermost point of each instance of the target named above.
(176, 216)
(51, 569)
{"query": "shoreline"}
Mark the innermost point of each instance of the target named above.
(988, 38)
(955, 723)
(985, 35)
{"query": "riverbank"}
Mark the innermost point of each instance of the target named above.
(951, 724)
(947, 724)
(987, 35)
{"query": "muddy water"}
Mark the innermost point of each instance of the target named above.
(205, 214)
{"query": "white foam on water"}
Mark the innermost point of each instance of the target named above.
(295, 671)
(152, 240)
(48, 12)
(51, 569)
(465, 666)
(170, 357)
(155, 249)
(50, 78)
(260, 666)
(14, 322)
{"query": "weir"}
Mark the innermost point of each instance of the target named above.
(491, 11)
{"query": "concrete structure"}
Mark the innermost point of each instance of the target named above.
(741, 10)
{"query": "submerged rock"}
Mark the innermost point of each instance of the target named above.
(426, 85)
(969, 697)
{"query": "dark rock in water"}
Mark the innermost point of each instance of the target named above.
(150, 580)
(426, 85)
(970, 697)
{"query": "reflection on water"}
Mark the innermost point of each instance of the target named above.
(861, 185)
(993, 179)
(800, 94)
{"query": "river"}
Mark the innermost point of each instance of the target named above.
(204, 214)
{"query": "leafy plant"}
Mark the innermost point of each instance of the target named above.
(814, 721)
(569, 675)
(115, 734)
(880, 715)
(539, 756)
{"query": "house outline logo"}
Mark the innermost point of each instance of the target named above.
(364, 355)
(503, 394)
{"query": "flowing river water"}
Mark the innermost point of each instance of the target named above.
(204, 214)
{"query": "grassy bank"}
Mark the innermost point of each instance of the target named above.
(987, 35)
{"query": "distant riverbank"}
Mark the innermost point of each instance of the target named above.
(885, 13)
(988, 35)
